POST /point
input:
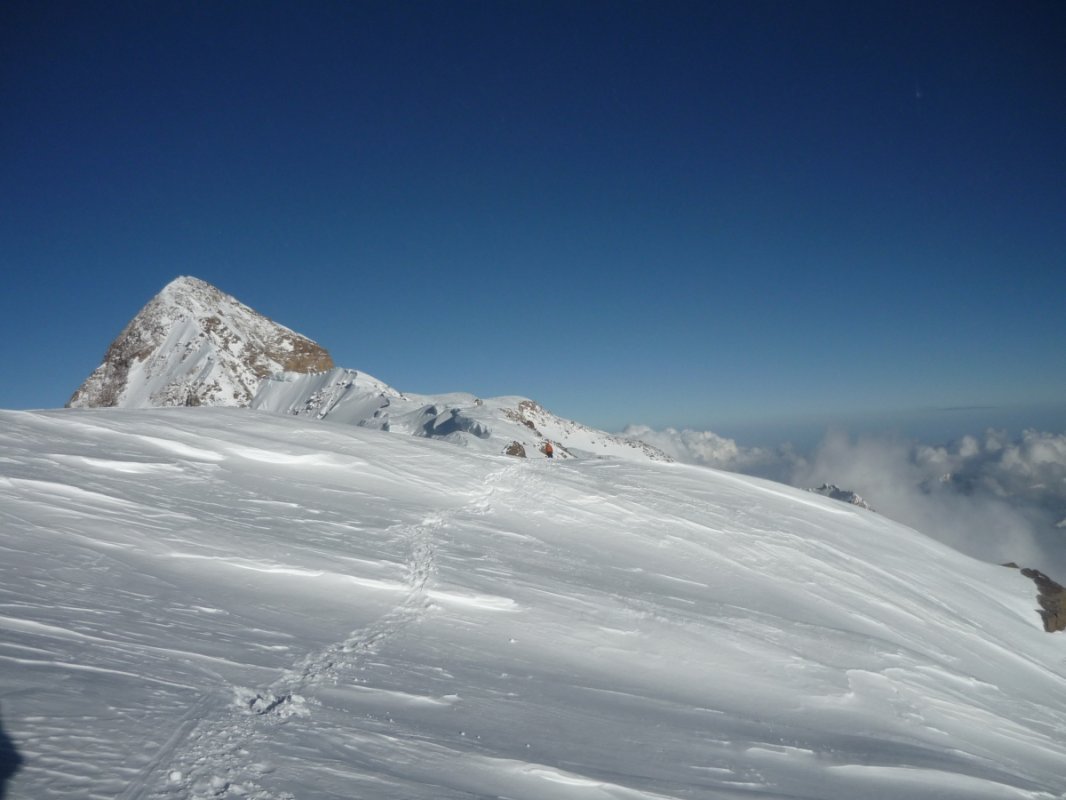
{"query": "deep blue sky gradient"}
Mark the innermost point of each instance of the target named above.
(689, 214)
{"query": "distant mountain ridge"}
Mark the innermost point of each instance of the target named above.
(194, 345)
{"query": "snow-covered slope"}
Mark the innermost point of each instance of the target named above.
(194, 345)
(212, 603)
(514, 425)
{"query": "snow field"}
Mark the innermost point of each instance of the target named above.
(216, 603)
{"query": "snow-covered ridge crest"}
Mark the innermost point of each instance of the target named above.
(514, 425)
(192, 345)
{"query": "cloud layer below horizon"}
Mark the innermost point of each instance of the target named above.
(994, 497)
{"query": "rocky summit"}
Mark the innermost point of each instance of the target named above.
(191, 345)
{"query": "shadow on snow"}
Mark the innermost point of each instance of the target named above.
(10, 760)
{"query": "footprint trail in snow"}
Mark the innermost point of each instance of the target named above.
(214, 758)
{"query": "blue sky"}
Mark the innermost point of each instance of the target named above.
(687, 214)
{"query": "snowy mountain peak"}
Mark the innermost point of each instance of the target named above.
(185, 287)
(194, 345)
(191, 345)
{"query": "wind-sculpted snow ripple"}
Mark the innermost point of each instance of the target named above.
(405, 619)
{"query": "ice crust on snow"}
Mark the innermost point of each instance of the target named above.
(209, 603)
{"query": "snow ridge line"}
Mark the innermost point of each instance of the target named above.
(216, 757)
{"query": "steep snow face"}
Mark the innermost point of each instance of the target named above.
(495, 425)
(195, 345)
(211, 603)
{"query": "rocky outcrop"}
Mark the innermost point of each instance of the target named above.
(843, 495)
(191, 345)
(568, 435)
(1052, 599)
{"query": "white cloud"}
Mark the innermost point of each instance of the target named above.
(711, 450)
(996, 498)
(965, 495)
